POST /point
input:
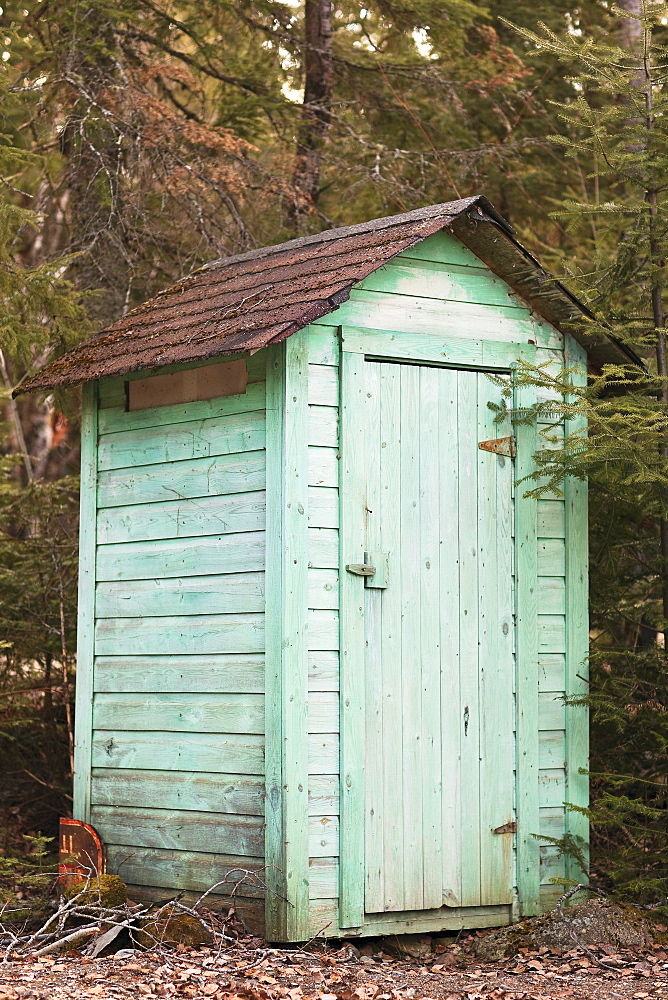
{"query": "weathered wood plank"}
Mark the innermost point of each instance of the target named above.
(180, 713)
(219, 476)
(551, 787)
(177, 869)
(552, 672)
(323, 507)
(323, 670)
(495, 666)
(287, 659)
(323, 591)
(552, 595)
(182, 518)
(377, 744)
(551, 634)
(86, 604)
(323, 467)
(323, 548)
(176, 830)
(551, 519)
(552, 749)
(323, 712)
(551, 557)
(352, 806)
(323, 385)
(182, 634)
(577, 632)
(457, 283)
(393, 858)
(322, 630)
(158, 559)
(323, 840)
(412, 314)
(446, 919)
(182, 442)
(453, 351)
(469, 721)
(412, 763)
(196, 595)
(228, 673)
(201, 792)
(218, 753)
(323, 344)
(115, 419)
(452, 705)
(527, 671)
(425, 434)
(323, 426)
(323, 753)
(444, 248)
(551, 711)
(323, 794)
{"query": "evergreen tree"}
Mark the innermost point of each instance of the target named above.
(614, 125)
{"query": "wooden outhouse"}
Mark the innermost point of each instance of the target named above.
(323, 632)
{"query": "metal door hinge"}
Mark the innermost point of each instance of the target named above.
(500, 446)
(506, 828)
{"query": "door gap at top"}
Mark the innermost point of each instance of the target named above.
(376, 360)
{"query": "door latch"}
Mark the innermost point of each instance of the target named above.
(361, 569)
(375, 570)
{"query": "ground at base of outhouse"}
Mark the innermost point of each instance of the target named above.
(251, 970)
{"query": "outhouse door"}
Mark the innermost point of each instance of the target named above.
(437, 629)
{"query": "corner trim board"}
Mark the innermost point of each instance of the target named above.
(286, 755)
(83, 723)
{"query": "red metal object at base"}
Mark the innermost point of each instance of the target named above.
(80, 851)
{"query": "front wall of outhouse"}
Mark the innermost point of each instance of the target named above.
(173, 533)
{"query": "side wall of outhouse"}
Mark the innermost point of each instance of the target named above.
(209, 705)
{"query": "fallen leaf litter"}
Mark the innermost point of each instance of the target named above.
(251, 970)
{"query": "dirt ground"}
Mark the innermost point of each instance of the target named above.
(251, 970)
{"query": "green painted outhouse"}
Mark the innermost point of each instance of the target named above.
(323, 632)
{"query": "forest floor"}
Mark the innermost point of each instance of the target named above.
(251, 970)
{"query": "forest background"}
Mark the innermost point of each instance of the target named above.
(140, 139)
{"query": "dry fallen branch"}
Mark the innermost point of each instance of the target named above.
(91, 926)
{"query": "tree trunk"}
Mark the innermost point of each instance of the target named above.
(316, 110)
(630, 29)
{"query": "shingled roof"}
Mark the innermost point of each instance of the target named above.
(246, 302)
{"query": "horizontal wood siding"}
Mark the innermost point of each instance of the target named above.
(323, 616)
(551, 666)
(177, 786)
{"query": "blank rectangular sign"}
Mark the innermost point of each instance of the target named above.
(229, 378)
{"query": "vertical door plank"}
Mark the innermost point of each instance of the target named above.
(468, 637)
(390, 451)
(353, 507)
(432, 460)
(412, 762)
(496, 659)
(86, 616)
(451, 703)
(375, 736)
